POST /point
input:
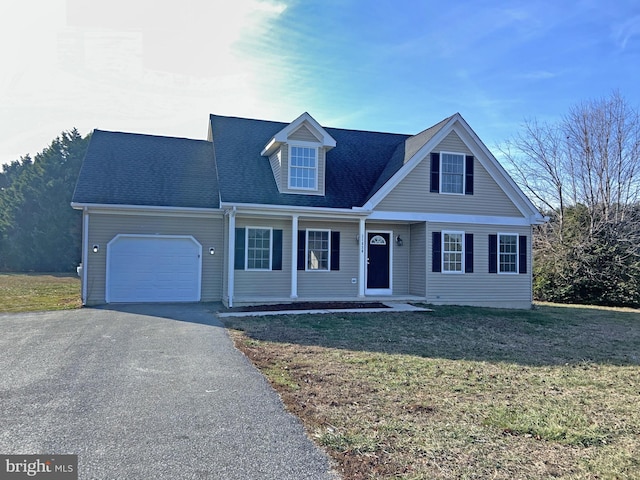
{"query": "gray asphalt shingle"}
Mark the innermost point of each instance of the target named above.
(133, 169)
(353, 166)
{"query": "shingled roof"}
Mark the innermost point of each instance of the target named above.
(147, 170)
(353, 168)
(134, 169)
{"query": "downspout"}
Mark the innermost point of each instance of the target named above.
(232, 257)
(85, 253)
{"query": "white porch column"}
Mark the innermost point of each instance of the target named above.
(294, 254)
(231, 256)
(362, 259)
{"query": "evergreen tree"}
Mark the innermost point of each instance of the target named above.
(39, 231)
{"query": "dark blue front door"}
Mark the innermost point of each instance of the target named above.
(378, 260)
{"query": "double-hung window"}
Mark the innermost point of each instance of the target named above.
(303, 168)
(318, 250)
(258, 249)
(452, 173)
(452, 252)
(508, 253)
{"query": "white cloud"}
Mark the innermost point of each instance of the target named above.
(160, 68)
(625, 31)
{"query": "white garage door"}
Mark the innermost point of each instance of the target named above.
(143, 268)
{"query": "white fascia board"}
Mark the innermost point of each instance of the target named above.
(449, 218)
(479, 150)
(409, 165)
(497, 171)
(288, 210)
(282, 135)
(270, 147)
(146, 209)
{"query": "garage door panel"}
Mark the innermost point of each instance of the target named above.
(153, 269)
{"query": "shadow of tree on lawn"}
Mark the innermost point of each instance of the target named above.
(548, 335)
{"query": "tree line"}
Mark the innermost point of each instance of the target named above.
(583, 171)
(39, 231)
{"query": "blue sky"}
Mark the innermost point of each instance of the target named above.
(160, 66)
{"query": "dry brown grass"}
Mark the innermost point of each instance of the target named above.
(460, 392)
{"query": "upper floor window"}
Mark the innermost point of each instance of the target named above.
(303, 168)
(452, 172)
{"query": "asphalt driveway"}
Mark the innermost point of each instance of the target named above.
(145, 392)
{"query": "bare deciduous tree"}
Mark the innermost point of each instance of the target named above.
(583, 171)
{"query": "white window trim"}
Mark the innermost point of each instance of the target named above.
(314, 147)
(507, 234)
(306, 256)
(464, 172)
(442, 252)
(246, 249)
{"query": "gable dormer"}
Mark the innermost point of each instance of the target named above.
(297, 154)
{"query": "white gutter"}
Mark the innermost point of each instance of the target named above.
(288, 210)
(143, 208)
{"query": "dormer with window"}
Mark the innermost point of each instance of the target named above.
(297, 154)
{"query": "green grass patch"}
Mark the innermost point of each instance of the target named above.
(461, 392)
(38, 292)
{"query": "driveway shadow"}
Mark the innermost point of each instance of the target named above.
(199, 313)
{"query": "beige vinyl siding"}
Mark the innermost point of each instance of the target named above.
(453, 143)
(479, 288)
(268, 283)
(276, 166)
(104, 227)
(418, 259)
(332, 284)
(303, 134)
(285, 173)
(412, 193)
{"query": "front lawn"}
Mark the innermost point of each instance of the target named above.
(460, 392)
(24, 292)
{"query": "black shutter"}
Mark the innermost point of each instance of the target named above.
(335, 250)
(436, 249)
(435, 172)
(302, 247)
(468, 253)
(493, 253)
(238, 261)
(276, 250)
(468, 187)
(522, 254)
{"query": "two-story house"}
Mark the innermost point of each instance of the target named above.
(269, 212)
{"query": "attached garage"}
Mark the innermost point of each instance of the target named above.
(153, 268)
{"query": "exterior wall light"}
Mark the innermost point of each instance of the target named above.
(399, 241)
(96, 248)
(212, 251)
